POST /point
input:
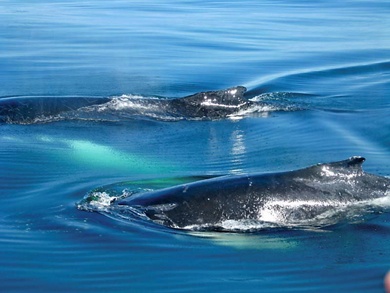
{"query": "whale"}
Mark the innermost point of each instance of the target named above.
(203, 105)
(291, 198)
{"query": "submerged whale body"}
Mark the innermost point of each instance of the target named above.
(203, 105)
(301, 197)
(42, 109)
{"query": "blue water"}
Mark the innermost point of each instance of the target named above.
(330, 59)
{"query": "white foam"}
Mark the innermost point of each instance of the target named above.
(245, 225)
(259, 110)
(123, 102)
(98, 201)
(381, 201)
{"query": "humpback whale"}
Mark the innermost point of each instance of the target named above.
(203, 105)
(286, 198)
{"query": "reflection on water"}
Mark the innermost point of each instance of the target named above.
(238, 150)
(249, 241)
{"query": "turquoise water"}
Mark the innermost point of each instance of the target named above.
(329, 60)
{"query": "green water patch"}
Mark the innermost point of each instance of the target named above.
(91, 155)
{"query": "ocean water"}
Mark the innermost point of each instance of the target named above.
(321, 68)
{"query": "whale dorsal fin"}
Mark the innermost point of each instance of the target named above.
(232, 96)
(213, 104)
(352, 165)
(342, 169)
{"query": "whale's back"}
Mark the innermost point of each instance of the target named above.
(212, 104)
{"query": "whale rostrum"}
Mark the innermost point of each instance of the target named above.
(293, 197)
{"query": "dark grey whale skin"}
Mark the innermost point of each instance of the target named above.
(204, 105)
(212, 104)
(27, 109)
(208, 202)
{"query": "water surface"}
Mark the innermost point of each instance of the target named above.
(330, 59)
